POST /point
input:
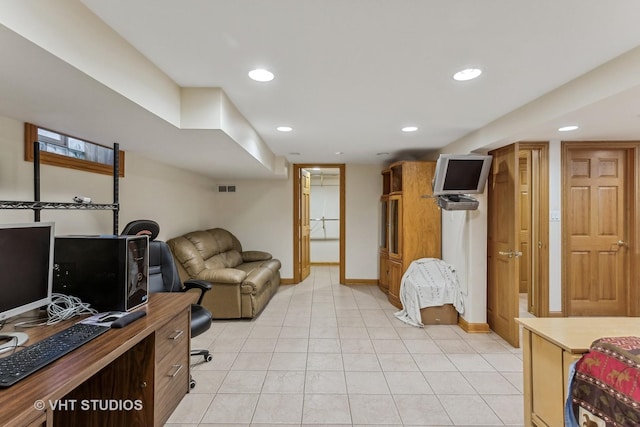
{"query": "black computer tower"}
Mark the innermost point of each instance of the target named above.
(108, 272)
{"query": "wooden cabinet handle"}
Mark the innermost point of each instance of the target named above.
(176, 335)
(178, 368)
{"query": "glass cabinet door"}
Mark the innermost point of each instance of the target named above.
(395, 215)
(384, 223)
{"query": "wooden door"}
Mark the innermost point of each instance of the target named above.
(305, 224)
(595, 214)
(503, 240)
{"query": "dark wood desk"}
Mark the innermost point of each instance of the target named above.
(134, 376)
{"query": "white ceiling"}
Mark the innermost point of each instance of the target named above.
(349, 75)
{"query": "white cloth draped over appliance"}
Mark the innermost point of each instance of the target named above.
(428, 282)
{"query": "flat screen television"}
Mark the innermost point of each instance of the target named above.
(461, 174)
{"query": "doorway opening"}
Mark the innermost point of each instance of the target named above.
(534, 230)
(319, 218)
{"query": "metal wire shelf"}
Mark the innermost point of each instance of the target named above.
(9, 204)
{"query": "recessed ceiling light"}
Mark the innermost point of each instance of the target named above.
(261, 75)
(339, 153)
(568, 128)
(409, 129)
(467, 74)
(284, 128)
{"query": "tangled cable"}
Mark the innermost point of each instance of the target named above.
(62, 307)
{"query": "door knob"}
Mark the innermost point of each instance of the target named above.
(621, 243)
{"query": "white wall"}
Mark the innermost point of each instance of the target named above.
(555, 230)
(175, 198)
(260, 215)
(464, 241)
(363, 188)
(180, 201)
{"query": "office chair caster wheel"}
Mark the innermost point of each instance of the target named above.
(192, 384)
(208, 358)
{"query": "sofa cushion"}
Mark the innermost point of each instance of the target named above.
(225, 240)
(187, 255)
(229, 259)
(212, 242)
(223, 275)
(204, 243)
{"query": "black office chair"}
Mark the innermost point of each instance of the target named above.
(163, 277)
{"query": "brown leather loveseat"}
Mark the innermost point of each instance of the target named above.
(242, 282)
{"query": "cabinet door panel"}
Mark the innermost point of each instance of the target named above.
(547, 381)
(383, 281)
(395, 277)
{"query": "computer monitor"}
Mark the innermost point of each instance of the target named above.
(26, 271)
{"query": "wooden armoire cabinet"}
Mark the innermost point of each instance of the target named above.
(410, 223)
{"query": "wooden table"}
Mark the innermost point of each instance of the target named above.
(140, 373)
(550, 345)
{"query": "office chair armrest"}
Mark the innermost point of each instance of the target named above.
(200, 285)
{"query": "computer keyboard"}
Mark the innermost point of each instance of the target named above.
(26, 361)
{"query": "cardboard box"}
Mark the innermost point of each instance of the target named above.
(440, 315)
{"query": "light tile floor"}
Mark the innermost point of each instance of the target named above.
(326, 354)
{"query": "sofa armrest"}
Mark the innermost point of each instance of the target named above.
(223, 275)
(256, 279)
(200, 285)
(250, 256)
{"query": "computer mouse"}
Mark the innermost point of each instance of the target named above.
(109, 319)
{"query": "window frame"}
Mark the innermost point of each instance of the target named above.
(53, 159)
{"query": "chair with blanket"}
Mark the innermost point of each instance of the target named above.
(163, 277)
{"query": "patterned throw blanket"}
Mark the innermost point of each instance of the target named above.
(428, 282)
(606, 386)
